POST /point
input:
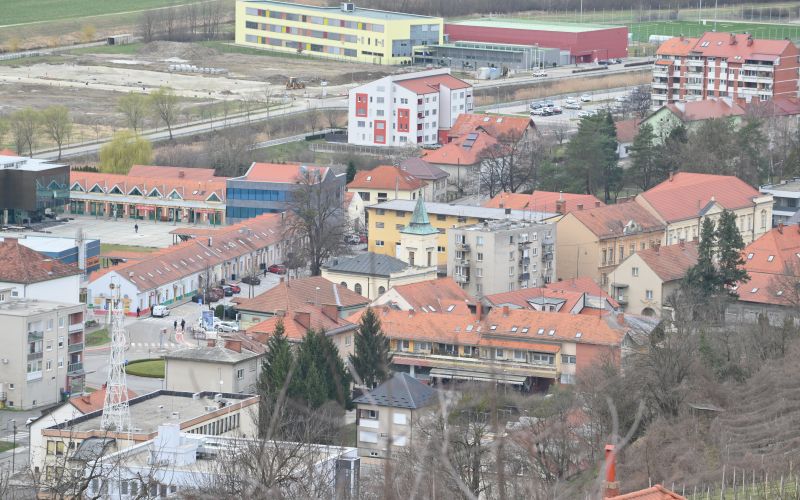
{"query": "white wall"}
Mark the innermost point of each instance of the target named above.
(66, 289)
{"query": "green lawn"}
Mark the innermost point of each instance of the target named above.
(112, 247)
(100, 337)
(228, 47)
(641, 31)
(28, 11)
(5, 446)
(153, 368)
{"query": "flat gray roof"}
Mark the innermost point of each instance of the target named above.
(529, 24)
(792, 185)
(465, 210)
(216, 354)
(30, 307)
(383, 15)
(26, 164)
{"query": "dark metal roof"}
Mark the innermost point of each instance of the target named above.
(369, 263)
(400, 391)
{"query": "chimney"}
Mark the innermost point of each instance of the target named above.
(749, 40)
(210, 241)
(505, 311)
(671, 176)
(621, 318)
(611, 486)
(561, 207)
(233, 345)
(682, 243)
(211, 343)
(304, 318)
(181, 174)
(780, 227)
(597, 204)
(479, 306)
(508, 213)
(580, 206)
(331, 311)
(280, 313)
(732, 40)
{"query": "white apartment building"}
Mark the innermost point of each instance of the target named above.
(42, 355)
(501, 256)
(410, 109)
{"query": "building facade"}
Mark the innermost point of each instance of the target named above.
(347, 33)
(42, 358)
(27, 274)
(267, 188)
(738, 67)
(371, 274)
(227, 367)
(167, 194)
(501, 256)
(411, 109)
(31, 189)
(786, 200)
(384, 183)
(387, 221)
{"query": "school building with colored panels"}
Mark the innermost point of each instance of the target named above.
(169, 194)
(346, 32)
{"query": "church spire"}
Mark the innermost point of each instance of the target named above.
(420, 224)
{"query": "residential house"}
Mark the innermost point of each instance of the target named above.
(387, 220)
(42, 356)
(685, 199)
(592, 242)
(80, 252)
(643, 282)
(386, 182)
(228, 365)
(691, 115)
(386, 415)
(146, 192)
(31, 275)
(176, 273)
(427, 296)
(356, 214)
(575, 296)
(436, 178)
(501, 255)
(267, 188)
(409, 109)
(545, 201)
(719, 64)
(786, 197)
(371, 274)
(626, 133)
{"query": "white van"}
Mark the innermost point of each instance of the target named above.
(159, 311)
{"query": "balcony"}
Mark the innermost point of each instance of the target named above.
(696, 62)
(461, 278)
(758, 67)
(464, 247)
(77, 347)
(32, 336)
(35, 355)
(524, 277)
(77, 327)
(74, 367)
(659, 85)
(468, 368)
(525, 261)
(33, 376)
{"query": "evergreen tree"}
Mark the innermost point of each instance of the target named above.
(592, 157)
(371, 358)
(320, 375)
(276, 368)
(730, 245)
(337, 375)
(351, 171)
(703, 278)
(643, 158)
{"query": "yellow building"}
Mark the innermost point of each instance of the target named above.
(387, 220)
(345, 32)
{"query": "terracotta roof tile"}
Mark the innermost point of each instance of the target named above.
(386, 177)
(705, 109)
(290, 295)
(543, 201)
(430, 84)
(677, 46)
(462, 150)
(437, 293)
(718, 44)
(627, 130)
(583, 285)
(492, 124)
(610, 221)
(686, 194)
(20, 264)
(656, 492)
(670, 262)
(520, 298)
(158, 172)
(293, 325)
(775, 251)
(285, 173)
(88, 403)
(188, 189)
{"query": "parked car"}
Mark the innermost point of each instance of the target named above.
(572, 105)
(584, 114)
(352, 239)
(236, 288)
(570, 100)
(549, 104)
(226, 326)
(277, 269)
(556, 110)
(252, 280)
(538, 74)
(586, 98)
(603, 63)
(536, 105)
(537, 112)
(621, 98)
(362, 238)
(227, 291)
(159, 311)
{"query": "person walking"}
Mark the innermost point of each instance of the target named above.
(138, 311)
(136, 228)
(175, 325)
(183, 324)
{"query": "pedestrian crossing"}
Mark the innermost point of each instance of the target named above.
(152, 346)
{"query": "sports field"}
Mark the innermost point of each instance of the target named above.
(641, 31)
(30, 11)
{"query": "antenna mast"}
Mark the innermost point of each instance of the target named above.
(116, 413)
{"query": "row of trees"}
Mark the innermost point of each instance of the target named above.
(194, 21)
(162, 104)
(26, 127)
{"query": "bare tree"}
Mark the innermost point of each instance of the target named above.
(640, 104)
(148, 25)
(316, 216)
(164, 103)
(230, 151)
(57, 125)
(25, 125)
(511, 163)
(134, 106)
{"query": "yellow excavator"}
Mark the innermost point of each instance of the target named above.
(294, 84)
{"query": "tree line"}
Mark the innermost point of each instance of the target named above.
(185, 23)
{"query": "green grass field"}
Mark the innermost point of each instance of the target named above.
(29, 11)
(641, 31)
(113, 247)
(100, 337)
(152, 368)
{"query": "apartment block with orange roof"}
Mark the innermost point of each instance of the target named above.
(547, 201)
(683, 200)
(384, 183)
(411, 109)
(739, 67)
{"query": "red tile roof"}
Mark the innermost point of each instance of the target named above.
(386, 177)
(7, 152)
(286, 173)
(767, 288)
(430, 84)
(583, 285)
(610, 221)
(433, 294)
(705, 109)
(291, 295)
(87, 403)
(776, 106)
(493, 125)
(670, 262)
(293, 326)
(677, 46)
(461, 151)
(157, 172)
(20, 264)
(627, 130)
(520, 298)
(187, 188)
(718, 44)
(543, 201)
(773, 263)
(685, 194)
(656, 492)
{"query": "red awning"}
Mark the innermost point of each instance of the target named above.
(144, 208)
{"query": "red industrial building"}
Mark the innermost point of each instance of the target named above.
(585, 42)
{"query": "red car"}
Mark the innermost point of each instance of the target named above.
(277, 269)
(236, 288)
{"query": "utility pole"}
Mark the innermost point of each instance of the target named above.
(14, 445)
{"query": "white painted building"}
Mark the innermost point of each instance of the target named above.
(410, 109)
(31, 275)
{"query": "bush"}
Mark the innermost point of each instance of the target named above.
(219, 311)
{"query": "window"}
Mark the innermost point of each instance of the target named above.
(634, 271)
(568, 359)
(60, 342)
(49, 324)
(498, 353)
(49, 365)
(61, 322)
(357, 288)
(648, 294)
(399, 418)
(368, 437)
(378, 243)
(348, 339)
(240, 374)
(511, 256)
(49, 345)
(479, 240)
(519, 355)
(479, 272)
(480, 257)
(379, 225)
